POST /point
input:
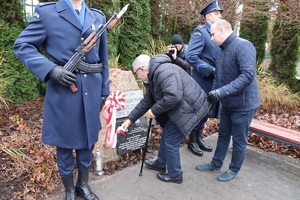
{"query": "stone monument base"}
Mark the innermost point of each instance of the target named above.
(119, 81)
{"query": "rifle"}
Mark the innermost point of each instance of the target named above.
(85, 46)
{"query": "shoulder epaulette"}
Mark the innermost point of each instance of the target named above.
(202, 26)
(45, 4)
(94, 9)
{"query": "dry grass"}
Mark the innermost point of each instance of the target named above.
(113, 62)
(3, 101)
(156, 47)
(277, 96)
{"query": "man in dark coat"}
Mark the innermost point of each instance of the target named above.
(176, 51)
(236, 86)
(175, 96)
(71, 120)
(200, 54)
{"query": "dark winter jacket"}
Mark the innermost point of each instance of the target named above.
(180, 60)
(236, 75)
(174, 93)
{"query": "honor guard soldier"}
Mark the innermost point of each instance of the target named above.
(200, 54)
(71, 120)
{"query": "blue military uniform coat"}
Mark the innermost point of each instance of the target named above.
(200, 54)
(71, 120)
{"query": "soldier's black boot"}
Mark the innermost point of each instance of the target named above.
(193, 146)
(201, 143)
(82, 188)
(69, 187)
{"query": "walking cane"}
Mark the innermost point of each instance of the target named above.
(145, 148)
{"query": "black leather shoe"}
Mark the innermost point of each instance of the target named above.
(166, 178)
(83, 189)
(201, 143)
(194, 148)
(203, 146)
(155, 165)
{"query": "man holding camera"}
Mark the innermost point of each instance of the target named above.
(176, 53)
(200, 54)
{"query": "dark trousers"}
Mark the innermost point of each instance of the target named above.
(65, 160)
(214, 113)
(201, 124)
(168, 152)
(235, 124)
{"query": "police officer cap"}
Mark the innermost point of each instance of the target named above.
(212, 6)
(177, 39)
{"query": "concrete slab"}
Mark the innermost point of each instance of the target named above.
(264, 176)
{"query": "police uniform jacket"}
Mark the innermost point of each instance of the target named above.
(236, 76)
(71, 120)
(201, 56)
(174, 93)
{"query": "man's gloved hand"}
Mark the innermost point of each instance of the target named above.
(212, 74)
(214, 96)
(62, 76)
(103, 99)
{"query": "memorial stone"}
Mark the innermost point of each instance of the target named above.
(134, 139)
(124, 81)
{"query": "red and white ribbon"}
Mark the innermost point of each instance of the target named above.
(114, 102)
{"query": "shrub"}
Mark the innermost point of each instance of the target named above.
(285, 45)
(155, 47)
(135, 32)
(277, 96)
(3, 90)
(254, 26)
(11, 11)
(21, 84)
(3, 101)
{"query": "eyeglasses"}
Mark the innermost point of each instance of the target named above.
(136, 70)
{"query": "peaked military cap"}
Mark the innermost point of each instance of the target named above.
(212, 6)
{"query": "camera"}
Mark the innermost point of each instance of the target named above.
(171, 51)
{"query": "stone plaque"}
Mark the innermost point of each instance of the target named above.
(132, 99)
(134, 139)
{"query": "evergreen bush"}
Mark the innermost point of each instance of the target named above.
(254, 26)
(22, 85)
(285, 50)
(11, 12)
(135, 33)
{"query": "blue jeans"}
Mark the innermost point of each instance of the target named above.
(235, 124)
(168, 153)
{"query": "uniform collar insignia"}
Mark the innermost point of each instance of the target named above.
(37, 15)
